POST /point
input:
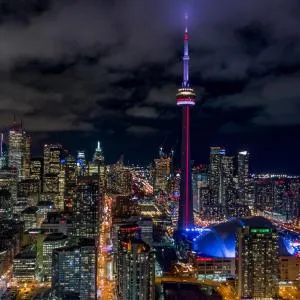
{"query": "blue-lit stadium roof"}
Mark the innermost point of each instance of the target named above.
(219, 240)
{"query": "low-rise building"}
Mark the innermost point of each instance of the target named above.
(212, 268)
(25, 266)
(30, 217)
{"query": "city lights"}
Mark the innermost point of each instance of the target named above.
(81, 220)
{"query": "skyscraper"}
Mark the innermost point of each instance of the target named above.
(8, 192)
(162, 171)
(215, 174)
(26, 156)
(54, 173)
(3, 153)
(135, 267)
(81, 163)
(199, 183)
(70, 181)
(186, 99)
(52, 157)
(257, 262)
(74, 271)
(19, 145)
(86, 207)
(120, 179)
(243, 176)
(51, 242)
(15, 148)
(36, 168)
(98, 154)
(1, 149)
(98, 167)
(228, 186)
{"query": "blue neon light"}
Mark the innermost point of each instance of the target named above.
(219, 240)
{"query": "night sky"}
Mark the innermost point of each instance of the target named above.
(79, 71)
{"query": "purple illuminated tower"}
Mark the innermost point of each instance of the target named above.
(186, 99)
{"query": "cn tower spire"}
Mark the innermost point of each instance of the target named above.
(186, 57)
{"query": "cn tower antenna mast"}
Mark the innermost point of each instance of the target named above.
(186, 57)
(185, 98)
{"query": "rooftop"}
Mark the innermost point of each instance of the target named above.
(55, 237)
(30, 210)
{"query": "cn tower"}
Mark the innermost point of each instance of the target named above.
(186, 99)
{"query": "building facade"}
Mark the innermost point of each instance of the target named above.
(257, 263)
(135, 270)
(74, 271)
(51, 242)
(243, 176)
(86, 207)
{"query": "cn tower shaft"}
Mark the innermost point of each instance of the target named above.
(186, 199)
(186, 98)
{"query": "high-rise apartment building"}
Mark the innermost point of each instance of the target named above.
(221, 183)
(279, 194)
(243, 176)
(74, 271)
(135, 267)
(257, 263)
(199, 183)
(215, 175)
(228, 186)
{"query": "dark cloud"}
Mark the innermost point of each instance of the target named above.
(141, 130)
(114, 66)
(143, 112)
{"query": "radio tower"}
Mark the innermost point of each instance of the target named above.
(186, 99)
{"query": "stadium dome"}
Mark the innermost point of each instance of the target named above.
(219, 240)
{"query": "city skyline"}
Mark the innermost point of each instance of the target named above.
(104, 211)
(160, 152)
(117, 83)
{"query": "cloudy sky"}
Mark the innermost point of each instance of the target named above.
(80, 70)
